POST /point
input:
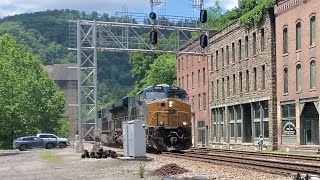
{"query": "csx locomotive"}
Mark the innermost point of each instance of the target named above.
(166, 114)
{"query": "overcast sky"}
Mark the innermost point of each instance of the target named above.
(173, 7)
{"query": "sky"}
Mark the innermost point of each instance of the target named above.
(172, 7)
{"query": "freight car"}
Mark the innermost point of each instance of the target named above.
(166, 115)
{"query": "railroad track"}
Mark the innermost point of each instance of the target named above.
(267, 165)
(287, 157)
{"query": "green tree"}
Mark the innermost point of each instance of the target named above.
(29, 101)
(162, 71)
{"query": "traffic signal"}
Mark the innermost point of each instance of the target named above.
(153, 37)
(203, 16)
(203, 41)
(152, 15)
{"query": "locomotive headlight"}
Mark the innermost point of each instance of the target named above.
(184, 123)
(170, 103)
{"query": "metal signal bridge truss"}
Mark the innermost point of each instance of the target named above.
(125, 34)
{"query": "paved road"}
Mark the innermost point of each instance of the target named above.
(63, 164)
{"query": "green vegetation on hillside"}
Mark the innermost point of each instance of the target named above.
(248, 12)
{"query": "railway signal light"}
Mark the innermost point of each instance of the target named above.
(203, 41)
(153, 37)
(203, 16)
(152, 15)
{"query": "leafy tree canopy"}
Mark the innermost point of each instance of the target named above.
(249, 12)
(29, 101)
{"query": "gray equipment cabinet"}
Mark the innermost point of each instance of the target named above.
(134, 142)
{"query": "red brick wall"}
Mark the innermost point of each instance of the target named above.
(287, 15)
(192, 64)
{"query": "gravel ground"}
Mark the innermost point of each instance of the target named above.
(67, 164)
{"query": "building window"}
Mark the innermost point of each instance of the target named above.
(313, 31)
(288, 123)
(217, 88)
(263, 41)
(182, 85)
(312, 74)
(212, 91)
(285, 41)
(192, 100)
(222, 57)
(247, 46)
(221, 129)
(254, 44)
(233, 53)
(254, 79)
(298, 78)
(211, 63)
(228, 86)
(298, 36)
(179, 82)
(217, 60)
(192, 77)
(182, 63)
(199, 101)
(247, 80)
(179, 64)
(263, 77)
(204, 76)
(227, 54)
(223, 93)
(285, 80)
(199, 77)
(192, 58)
(234, 85)
(231, 120)
(240, 82)
(240, 51)
(204, 101)
(187, 81)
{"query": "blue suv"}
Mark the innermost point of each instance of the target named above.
(29, 142)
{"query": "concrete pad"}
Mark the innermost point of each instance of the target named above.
(135, 158)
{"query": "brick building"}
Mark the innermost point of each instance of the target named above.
(242, 84)
(66, 80)
(192, 75)
(298, 54)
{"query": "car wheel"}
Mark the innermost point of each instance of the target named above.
(23, 147)
(62, 145)
(49, 146)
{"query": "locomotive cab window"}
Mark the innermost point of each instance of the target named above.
(177, 95)
(155, 95)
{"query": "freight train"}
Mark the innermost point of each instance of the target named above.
(166, 115)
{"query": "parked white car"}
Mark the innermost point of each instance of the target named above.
(61, 142)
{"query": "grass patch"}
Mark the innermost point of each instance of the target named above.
(51, 157)
(276, 152)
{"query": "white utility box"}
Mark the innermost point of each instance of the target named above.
(134, 139)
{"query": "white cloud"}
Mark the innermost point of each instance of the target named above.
(225, 4)
(11, 7)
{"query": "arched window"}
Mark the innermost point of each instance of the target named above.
(298, 36)
(312, 30)
(312, 74)
(298, 78)
(285, 40)
(285, 80)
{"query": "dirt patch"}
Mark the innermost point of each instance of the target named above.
(169, 169)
